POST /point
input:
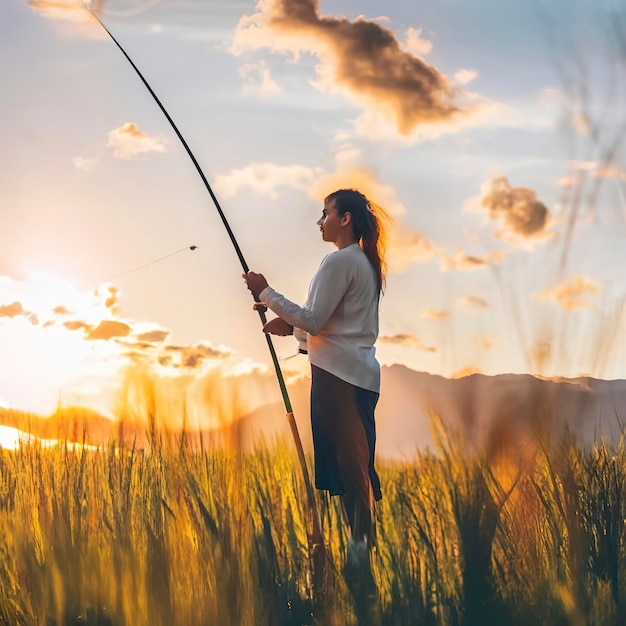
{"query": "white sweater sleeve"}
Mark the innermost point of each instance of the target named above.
(327, 288)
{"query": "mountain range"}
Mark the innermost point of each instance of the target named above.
(503, 412)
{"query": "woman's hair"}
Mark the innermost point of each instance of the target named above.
(368, 221)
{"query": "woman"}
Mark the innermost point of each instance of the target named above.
(337, 327)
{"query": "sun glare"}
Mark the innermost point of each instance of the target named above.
(10, 438)
(65, 347)
(49, 356)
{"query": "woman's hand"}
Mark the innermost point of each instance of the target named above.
(278, 326)
(256, 283)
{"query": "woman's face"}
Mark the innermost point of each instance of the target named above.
(330, 222)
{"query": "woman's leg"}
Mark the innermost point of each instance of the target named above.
(334, 408)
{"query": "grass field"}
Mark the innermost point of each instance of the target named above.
(191, 536)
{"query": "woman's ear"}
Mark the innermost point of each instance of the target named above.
(346, 219)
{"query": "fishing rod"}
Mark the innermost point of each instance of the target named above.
(316, 535)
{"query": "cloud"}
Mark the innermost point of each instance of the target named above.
(128, 140)
(406, 247)
(435, 314)
(79, 347)
(154, 336)
(108, 329)
(414, 43)
(73, 325)
(12, 310)
(265, 179)
(103, 330)
(361, 59)
(406, 340)
(258, 79)
(83, 163)
(109, 298)
(464, 77)
(521, 214)
(192, 356)
(349, 171)
(461, 261)
(61, 310)
(472, 303)
(68, 10)
(72, 15)
(571, 294)
(479, 111)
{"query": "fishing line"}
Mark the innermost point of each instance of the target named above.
(316, 538)
(136, 269)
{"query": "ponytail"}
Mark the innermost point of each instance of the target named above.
(368, 222)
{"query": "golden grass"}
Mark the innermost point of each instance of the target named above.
(176, 535)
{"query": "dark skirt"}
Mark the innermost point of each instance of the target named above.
(344, 434)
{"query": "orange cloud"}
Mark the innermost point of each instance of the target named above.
(80, 347)
(522, 214)
(472, 303)
(360, 58)
(406, 247)
(409, 341)
(461, 261)
(108, 329)
(435, 314)
(111, 300)
(73, 325)
(571, 294)
(128, 140)
(70, 10)
(154, 336)
(104, 330)
(73, 15)
(192, 356)
(12, 310)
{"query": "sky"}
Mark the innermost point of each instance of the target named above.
(491, 132)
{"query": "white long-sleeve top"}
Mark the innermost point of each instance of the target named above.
(339, 317)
